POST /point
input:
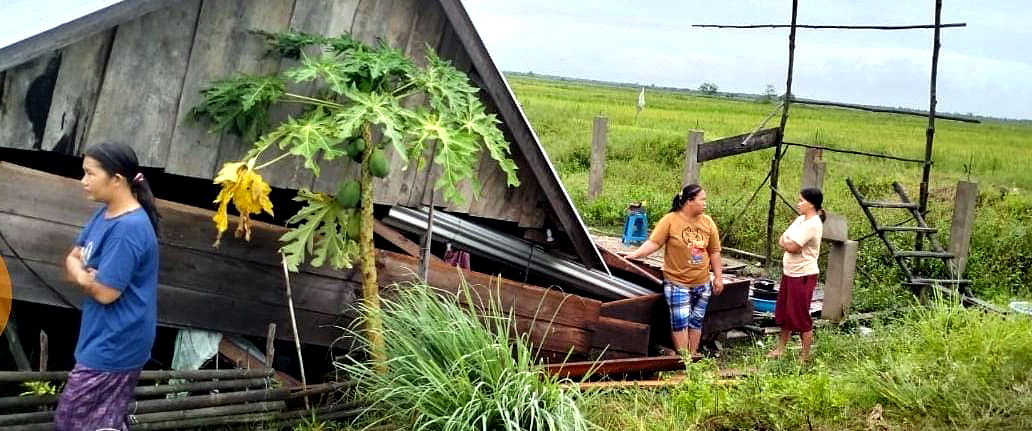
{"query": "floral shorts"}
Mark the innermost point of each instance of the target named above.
(687, 304)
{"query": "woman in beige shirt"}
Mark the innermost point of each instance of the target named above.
(802, 243)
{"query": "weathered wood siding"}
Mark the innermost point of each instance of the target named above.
(237, 288)
(136, 82)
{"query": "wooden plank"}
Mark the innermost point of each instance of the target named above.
(142, 86)
(731, 146)
(326, 17)
(242, 358)
(401, 241)
(554, 337)
(615, 366)
(25, 101)
(524, 300)
(717, 321)
(621, 336)
(735, 294)
(68, 33)
(41, 241)
(183, 225)
(511, 114)
(964, 202)
(75, 94)
(397, 28)
(223, 47)
(426, 32)
(616, 261)
(640, 309)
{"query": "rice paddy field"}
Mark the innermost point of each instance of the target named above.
(645, 156)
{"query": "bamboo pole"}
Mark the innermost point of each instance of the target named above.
(293, 322)
(776, 161)
(181, 415)
(142, 391)
(858, 153)
(44, 348)
(884, 110)
(23, 376)
(286, 418)
(270, 348)
(930, 132)
(837, 27)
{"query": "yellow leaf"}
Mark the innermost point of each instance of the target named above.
(247, 191)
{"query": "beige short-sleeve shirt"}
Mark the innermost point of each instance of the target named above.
(807, 234)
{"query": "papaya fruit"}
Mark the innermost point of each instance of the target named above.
(355, 225)
(349, 193)
(357, 146)
(378, 164)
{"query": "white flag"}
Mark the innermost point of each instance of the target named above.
(641, 100)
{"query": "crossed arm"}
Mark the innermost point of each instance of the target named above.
(86, 278)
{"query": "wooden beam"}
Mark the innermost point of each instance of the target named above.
(398, 239)
(522, 299)
(619, 262)
(70, 32)
(731, 146)
(14, 344)
(615, 366)
(691, 158)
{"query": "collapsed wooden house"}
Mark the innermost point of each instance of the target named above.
(131, 71)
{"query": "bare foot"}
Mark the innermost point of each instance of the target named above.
(774, 354)
(696, 357)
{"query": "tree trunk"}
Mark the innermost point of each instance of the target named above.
(370, 289)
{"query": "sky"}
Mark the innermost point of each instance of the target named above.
(984, 68)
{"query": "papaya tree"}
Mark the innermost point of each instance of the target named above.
(366, 99)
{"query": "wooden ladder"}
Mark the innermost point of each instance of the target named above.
(904, 258)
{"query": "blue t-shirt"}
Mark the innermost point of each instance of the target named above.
(124, 252)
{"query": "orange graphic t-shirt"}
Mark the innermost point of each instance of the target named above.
(689, 244)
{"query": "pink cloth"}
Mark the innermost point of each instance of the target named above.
(459, 258)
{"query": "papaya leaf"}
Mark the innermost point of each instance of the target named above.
(319, 233)
(306, 137)
(289, 44)
(247, 191)
(377, 108)
(328, 67)
(240, 105)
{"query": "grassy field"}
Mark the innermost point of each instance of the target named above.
(646, 152)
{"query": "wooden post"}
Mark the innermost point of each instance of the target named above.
(838, 287)
(270, 349)
(598, 156)
(813, 169)
(691, 158)
(14, 344)
(963, 220)
(44, 347)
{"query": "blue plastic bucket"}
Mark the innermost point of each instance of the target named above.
(763, 305)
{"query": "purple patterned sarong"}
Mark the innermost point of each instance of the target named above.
(94, 400)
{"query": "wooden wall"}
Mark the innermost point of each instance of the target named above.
(237, 288)
(135, 83)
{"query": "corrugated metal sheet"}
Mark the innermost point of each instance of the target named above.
(514, 252)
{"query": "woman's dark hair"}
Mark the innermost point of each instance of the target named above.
(814, 196)
(119, 158)
(686, 194)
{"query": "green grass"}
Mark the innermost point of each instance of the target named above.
(450, 370)
(942, 368)
(645, 161)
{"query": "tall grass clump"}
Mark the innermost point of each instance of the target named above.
(457, 367)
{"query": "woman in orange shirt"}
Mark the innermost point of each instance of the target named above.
(692, 253)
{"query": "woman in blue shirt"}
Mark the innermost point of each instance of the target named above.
(115, 262)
